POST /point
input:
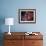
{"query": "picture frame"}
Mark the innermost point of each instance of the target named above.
(27, 15)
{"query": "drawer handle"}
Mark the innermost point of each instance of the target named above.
(33, 42)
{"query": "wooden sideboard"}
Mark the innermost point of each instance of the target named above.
(20, 39)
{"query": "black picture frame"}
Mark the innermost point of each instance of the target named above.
(27, 15)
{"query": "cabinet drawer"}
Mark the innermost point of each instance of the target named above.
(34, 37)
(16, 37)
(13, 43)
(37, 43)
(9, 42)
(33, 43)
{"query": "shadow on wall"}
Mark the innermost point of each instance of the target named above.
(2, 21)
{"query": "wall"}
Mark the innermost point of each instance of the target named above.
(9, 8)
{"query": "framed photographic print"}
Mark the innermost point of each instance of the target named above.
(27, 15)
